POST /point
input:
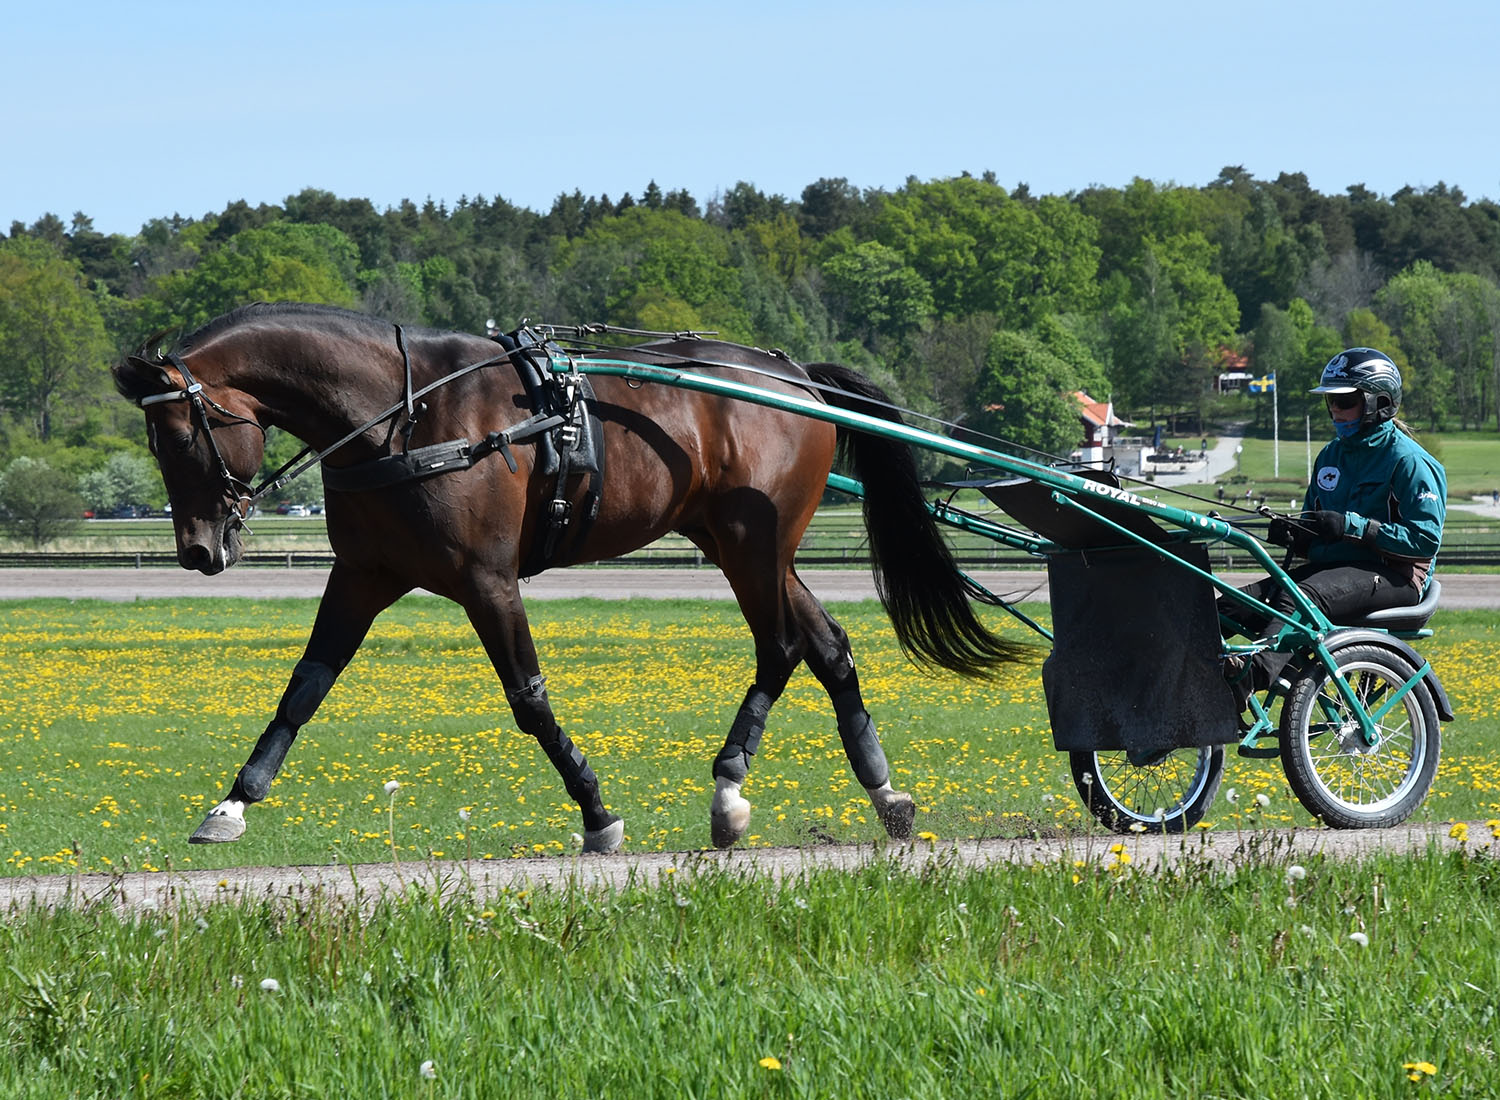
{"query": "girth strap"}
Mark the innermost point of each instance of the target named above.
(436, 458)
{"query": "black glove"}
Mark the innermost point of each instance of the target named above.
(1282, 533)
(1324, 526)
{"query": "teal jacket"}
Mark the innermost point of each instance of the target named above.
(1393, 495)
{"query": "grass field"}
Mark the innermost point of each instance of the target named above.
(120, 724)
(1262, 979)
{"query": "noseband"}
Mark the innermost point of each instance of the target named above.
(240, 492)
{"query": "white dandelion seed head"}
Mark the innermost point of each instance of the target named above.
(1137, 827)
(392, 786)
(1296, 873)
(800, 903)
(1232, 795)
(463, 815)
(270, 985)
(1360, 938)
(1291, 901)
(1307, 930)
(1262, 799)
(236, 981)
(428, 1069)
(963, 907)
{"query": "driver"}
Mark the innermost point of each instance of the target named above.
(1371, 520)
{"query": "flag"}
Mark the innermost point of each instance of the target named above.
(1266, 383)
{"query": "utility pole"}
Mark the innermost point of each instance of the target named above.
(1275, 429)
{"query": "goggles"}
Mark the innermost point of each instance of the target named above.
(1345, 401)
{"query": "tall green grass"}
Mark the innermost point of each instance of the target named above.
(1052, 981)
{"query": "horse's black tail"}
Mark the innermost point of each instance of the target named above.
(925, 594)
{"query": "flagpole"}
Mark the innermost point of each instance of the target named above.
(1275, 429)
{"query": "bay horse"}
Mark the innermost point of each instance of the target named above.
(740, 480)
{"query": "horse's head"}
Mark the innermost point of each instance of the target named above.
(208, 443)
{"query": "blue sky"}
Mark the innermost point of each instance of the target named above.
(130, 111)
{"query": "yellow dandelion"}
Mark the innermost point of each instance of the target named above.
(1416, 1071)
(771, 1063)
(929, 837)
(1459, 832)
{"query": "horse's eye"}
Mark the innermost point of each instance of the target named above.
(182, 442)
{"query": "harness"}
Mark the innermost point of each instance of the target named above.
(563, 424)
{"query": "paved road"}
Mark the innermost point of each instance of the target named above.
(1461, 592)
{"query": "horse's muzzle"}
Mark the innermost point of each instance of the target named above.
(213, 551)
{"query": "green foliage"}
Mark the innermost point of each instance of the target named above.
(1155, 282)
(37, 503)
(53, 347)
(1025, 395)
(280, 262)
(125, 480)
(983, 252)
(875, 292)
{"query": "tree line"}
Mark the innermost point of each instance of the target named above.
(971, 301)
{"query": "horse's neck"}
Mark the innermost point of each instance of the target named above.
(317, 396)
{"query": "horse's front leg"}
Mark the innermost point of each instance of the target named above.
(500, 621)
(350, 603)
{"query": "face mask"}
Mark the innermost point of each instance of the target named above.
(1347, 428)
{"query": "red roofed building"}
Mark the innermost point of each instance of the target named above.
(1099, 424)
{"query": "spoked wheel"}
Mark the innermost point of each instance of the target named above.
(1169, 795)
(1339, 778)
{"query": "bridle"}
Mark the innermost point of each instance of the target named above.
(241, 493)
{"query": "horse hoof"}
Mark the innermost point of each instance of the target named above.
(896, 810)
(729, 817)
(218, 828)
(606, 840)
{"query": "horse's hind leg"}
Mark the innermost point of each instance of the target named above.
(500, 621)
(350, 603)
(832, 662)
(778, 649)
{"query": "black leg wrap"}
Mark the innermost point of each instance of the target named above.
(534, 716)
(861, 742)
(733, 761)
(311, 681)
(254, 780)
(578, 779)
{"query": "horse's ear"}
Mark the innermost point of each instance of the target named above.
(136, 378)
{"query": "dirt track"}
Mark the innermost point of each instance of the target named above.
(1461, 592)
(369, 882)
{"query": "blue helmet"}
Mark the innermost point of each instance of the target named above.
(1367, 371)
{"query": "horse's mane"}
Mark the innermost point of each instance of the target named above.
(256, 311)
(152, 352)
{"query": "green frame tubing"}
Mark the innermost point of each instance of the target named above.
(1307, 632)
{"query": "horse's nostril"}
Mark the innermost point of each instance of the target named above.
(196, 556)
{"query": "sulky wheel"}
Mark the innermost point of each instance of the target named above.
(1169, 795)
(1340, 779)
